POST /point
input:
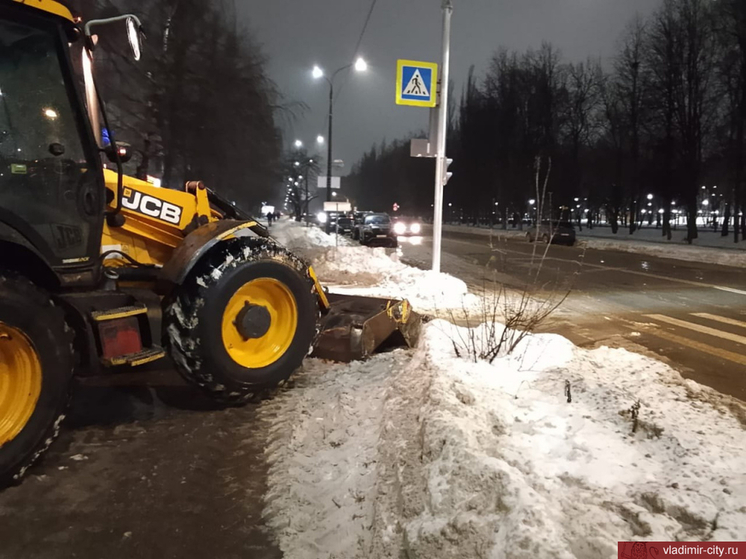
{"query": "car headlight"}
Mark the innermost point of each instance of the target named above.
(321, 216)
(400, 228)
(415, 228)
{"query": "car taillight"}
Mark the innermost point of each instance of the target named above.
(119, 337)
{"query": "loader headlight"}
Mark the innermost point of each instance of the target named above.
(321, 216)
(400, 228)
(415, 228)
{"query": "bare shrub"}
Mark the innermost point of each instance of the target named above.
(507, 314)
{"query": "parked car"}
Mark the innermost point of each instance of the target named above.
(376, 229)
(407, 226)
(557, 232)
(344, 225)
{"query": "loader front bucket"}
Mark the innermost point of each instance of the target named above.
(356, 327)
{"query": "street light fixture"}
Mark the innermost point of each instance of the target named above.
(650, 196)
(298, 144)
(320, 139)
(360, 66)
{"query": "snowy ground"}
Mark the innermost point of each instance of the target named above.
(429, 454)
(710, 248)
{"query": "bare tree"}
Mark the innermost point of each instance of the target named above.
(582, 117)
(682, 51)
(630, 85)
(731, 68)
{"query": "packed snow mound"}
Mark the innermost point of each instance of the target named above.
(426, 454)
(297, 236)
(514, 468)
(350, 268)
(706, 255)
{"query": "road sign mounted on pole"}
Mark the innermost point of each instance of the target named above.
(416, 83)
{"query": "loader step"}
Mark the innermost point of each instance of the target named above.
(121, 312)
(136, 359)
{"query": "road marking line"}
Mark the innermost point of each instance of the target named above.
(724, 320)
(698, 328)
(687, 343)
(729, 290)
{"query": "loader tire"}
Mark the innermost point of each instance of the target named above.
(36, 368)
(243, 320)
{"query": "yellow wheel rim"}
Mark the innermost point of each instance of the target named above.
(276, 298)
(20, 381)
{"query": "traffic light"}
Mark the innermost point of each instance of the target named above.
(447, 174)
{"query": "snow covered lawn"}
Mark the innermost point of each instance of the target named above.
(426, 454)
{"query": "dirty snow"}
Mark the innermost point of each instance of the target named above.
(427, 453)
(349, 268)
(424, 454)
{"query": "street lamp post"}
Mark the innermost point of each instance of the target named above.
(360, 66)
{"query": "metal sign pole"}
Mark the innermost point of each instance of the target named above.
(440, 162)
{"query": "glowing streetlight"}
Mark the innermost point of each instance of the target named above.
(650, 196)
(705, 202)
(298, 144)
(319, 139)
(360, 66)
(532, 202)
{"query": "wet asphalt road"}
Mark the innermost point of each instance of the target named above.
(145, 467)
(691, 315)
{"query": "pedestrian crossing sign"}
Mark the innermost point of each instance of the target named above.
(416, 83)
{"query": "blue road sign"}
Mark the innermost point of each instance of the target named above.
(416, 83)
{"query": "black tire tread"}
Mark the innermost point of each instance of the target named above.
(21, 287)
(183, 306)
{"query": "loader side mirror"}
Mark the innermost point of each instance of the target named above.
(134, 34)
(123, 149)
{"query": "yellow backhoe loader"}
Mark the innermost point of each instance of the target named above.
(100, 271)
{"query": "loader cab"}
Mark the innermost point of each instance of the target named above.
(51, 179)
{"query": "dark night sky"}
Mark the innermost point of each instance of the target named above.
(297, 34)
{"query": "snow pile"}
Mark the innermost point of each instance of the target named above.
(675, 251)
(515, 470)
(424, 454)
(354, 269)
(296, 236)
